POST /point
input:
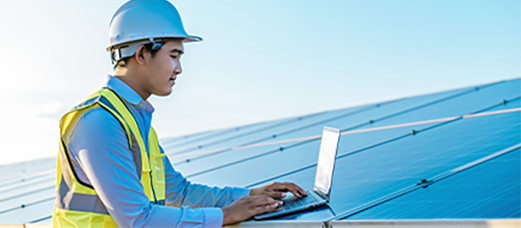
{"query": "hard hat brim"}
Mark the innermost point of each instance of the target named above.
(187, 39)
(193, 39)
(127, 49)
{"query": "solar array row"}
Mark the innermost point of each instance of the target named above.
(377, 157)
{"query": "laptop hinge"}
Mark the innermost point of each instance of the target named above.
(323, 195)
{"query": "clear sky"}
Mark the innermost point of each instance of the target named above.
(259, 60)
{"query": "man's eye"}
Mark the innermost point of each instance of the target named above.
(173, 56)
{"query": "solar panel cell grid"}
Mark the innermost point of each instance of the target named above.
(26, 198)
(253, 135)
(489, 190)
(29, 213)
(372, 164)
(272, 164)
(388, 168)
(336, 121)
(209, 141)
(362, 119)
(461, 105)
(380, 171)
(208, 162)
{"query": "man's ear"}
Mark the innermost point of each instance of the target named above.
(141, 55)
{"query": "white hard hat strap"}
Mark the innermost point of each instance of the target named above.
(129, 50)
(155, 46)
(125, 51)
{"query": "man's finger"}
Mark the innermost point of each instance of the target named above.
(268, 207)
(299, 191)
(293, 188)
(263, 200)
(277, 194)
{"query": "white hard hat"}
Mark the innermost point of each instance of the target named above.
(139, 22)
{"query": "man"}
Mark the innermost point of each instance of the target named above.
(111, 171)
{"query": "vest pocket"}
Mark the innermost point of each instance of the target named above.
(158, 166)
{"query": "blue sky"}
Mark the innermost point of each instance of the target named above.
(259, 60)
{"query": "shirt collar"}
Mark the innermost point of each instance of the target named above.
(123, 90)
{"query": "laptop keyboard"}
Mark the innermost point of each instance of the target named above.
(297, 202)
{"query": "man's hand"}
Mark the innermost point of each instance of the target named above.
(246, 207)
(277, 190)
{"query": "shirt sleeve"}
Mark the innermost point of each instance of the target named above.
(181, 192)
(100, 146)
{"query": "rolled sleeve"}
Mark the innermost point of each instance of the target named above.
(181, 192)
(238, 193)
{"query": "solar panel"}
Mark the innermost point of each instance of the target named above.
(237, 172)
(383, 170)
(31, 211)
(379, 154)
(461, 105)
(298, 155)
(364, 118)
(489, 190)
(391, 107)
(313, 125)
(211, 139)
(187, 138)
(25, 169)
(252, 135)
(371, 174)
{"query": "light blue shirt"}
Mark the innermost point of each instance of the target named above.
(101, 158)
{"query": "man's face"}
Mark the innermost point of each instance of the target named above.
(162, 70)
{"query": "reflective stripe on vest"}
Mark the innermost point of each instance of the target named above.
(77, 203)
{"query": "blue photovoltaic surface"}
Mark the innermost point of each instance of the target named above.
(362, 119)
(266, 166)
(199, 142)
(464, 104)
(342, 119)
(488, 190)
(385, 161)
(29, 192)
(34, 210)
(30, 184)
(374, 173)
(209, 162)
(260, 136)
(250, 171)
(377, 172)
(253, 135)
(187, 138)
(313, 130)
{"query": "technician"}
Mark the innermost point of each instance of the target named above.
(111, 170)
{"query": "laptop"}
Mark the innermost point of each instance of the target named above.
(320, 194)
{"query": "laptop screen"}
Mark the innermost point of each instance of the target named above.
(326, 160)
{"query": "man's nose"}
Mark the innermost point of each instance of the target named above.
(178, 69)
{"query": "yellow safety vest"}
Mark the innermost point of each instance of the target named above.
(78, 204)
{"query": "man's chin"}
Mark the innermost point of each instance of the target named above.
(163, 93)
